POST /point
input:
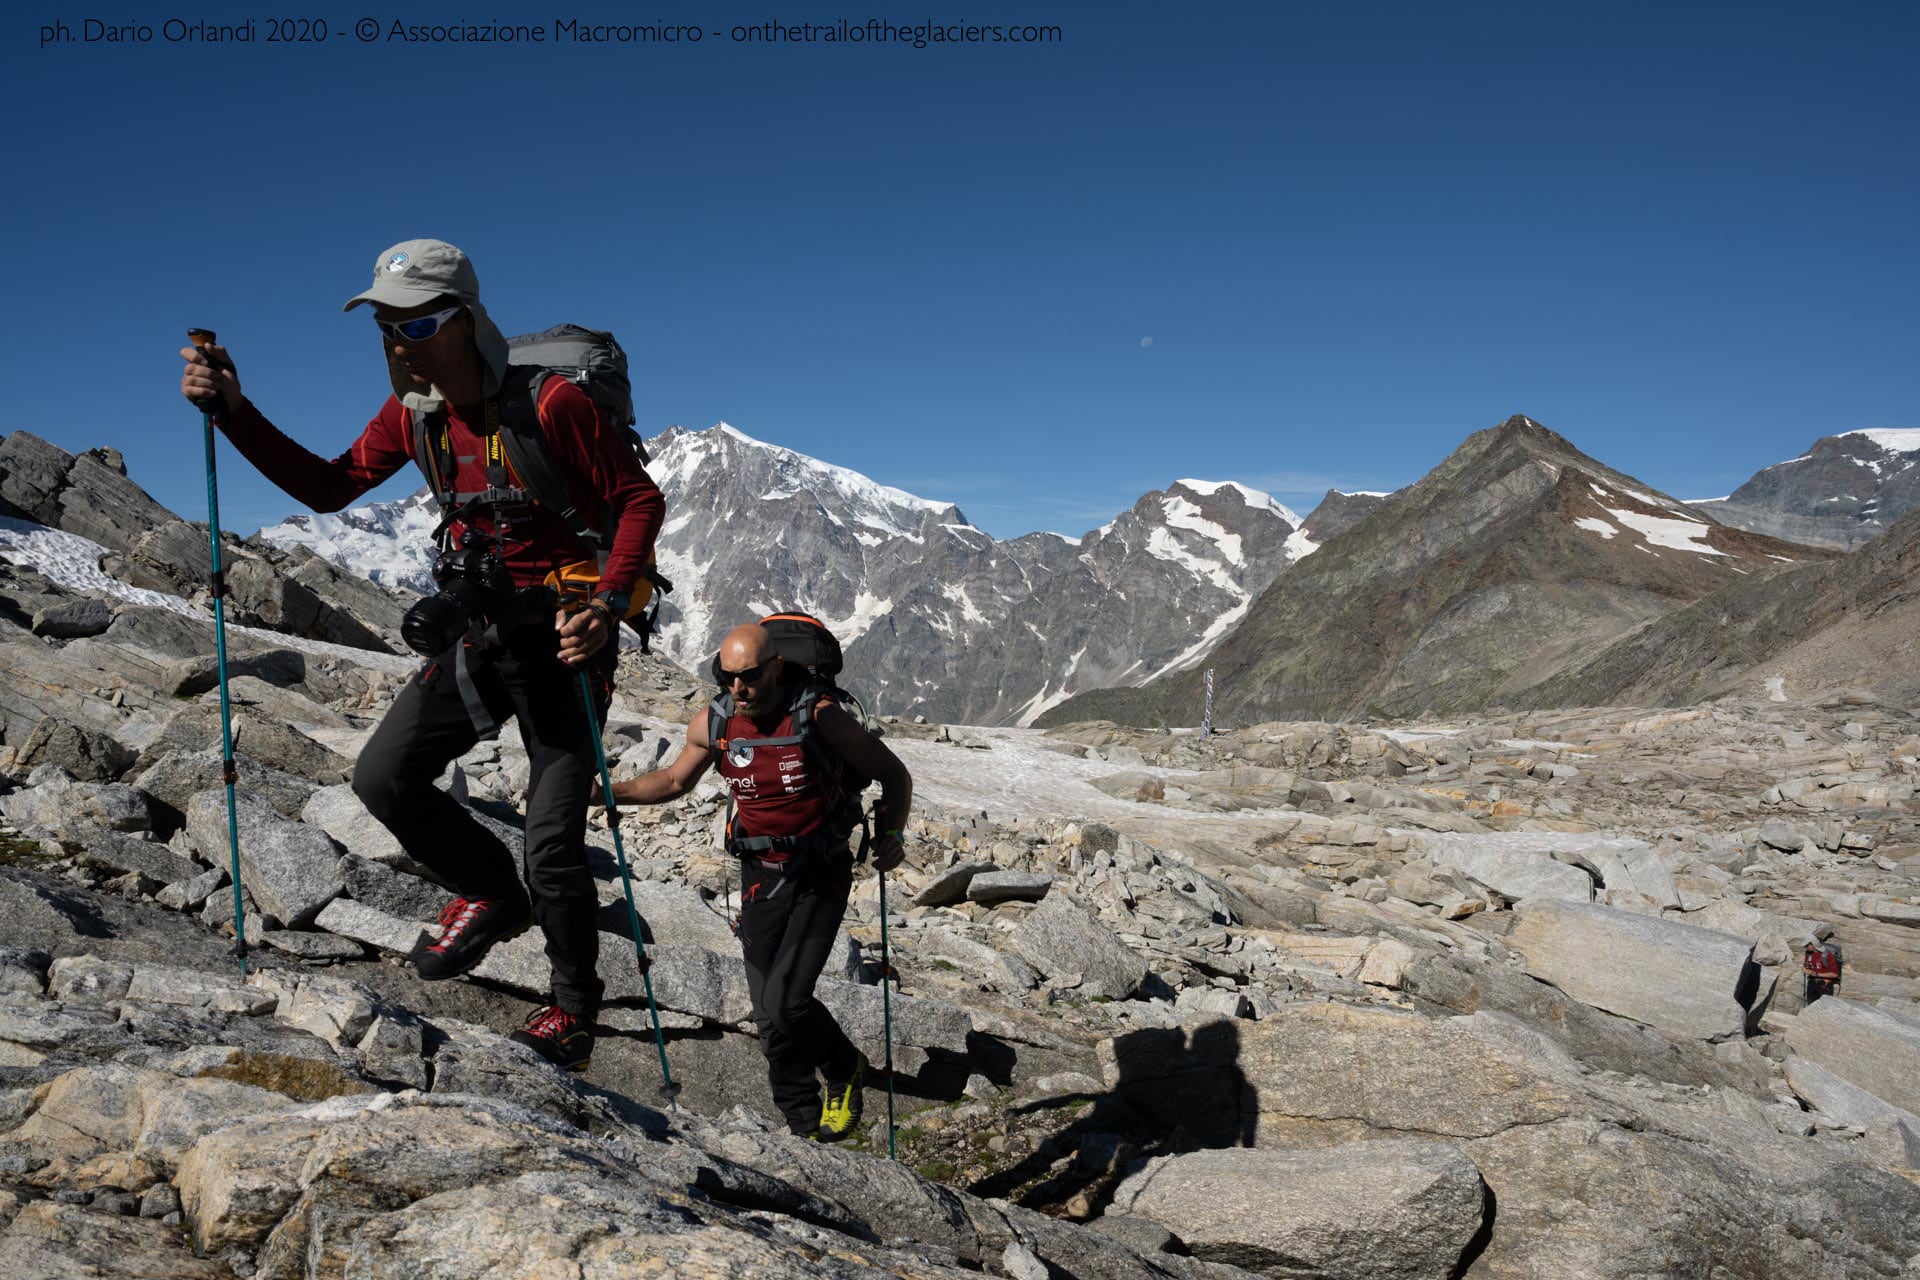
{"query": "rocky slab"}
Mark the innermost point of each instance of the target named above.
(1876, 1049)
(1686, 981)
(1364, 1211)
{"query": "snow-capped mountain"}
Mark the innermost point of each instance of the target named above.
(938, 617)
(385, 542)
(1846, 490)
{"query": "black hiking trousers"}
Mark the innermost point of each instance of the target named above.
(788, 924)
(431, 724)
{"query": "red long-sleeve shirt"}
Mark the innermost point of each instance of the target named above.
(597, 462)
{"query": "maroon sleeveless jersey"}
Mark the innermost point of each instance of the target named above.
(773, 787)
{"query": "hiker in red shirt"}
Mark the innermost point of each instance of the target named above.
(497, 645)
(784, 748)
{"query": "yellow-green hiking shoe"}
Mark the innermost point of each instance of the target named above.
(840, 1112)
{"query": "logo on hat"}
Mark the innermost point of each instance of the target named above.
(397, 262)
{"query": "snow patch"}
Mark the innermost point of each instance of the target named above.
(1893, 440)
(867, 610)
(74, 562)
(1298, 545)
(1254, 498)
(1162, 545)
(958, 594)
(1592, 525)
(1198, 649)
(1681, 535)
(1182, 514)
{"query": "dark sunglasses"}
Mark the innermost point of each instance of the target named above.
(418, 329)
(750, 676)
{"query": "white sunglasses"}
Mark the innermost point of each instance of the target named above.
(418, 329)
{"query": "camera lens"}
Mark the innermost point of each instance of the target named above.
(433, 624)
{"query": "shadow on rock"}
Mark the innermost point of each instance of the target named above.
(1173, 1090)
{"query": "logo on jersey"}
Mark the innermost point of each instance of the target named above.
(740, 755)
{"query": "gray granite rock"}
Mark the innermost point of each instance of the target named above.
(175, 777)
(336, 1010)
(1691, 982)
(380, 886)
(71, 621)
(23, 971)
(1517, 874)
(192, 676)
(1875, 1048)
(1060, 937)
(1385, 1210)
(172, 984)
(394, 1048)
(87, 754)
(917, 1021)
(191, 893)
(362, 923)
(1631, 865)
(117, 852)
(88, 979)
(1008, 886)
(312, 946)
(950, 885)
(339, 813)
(1838, 1099)
(62, 805)
(291, 870)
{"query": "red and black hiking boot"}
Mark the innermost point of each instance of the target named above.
(557, 1036)
(468, 929)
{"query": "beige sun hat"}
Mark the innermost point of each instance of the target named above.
(414, 272)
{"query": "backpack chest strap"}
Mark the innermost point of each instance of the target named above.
(790, 740)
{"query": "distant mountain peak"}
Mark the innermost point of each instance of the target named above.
(1255, 498)
(1846, 489)
(1892, 439)
(937, 616)
(1513, 557)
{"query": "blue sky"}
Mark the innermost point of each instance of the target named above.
(1683, 236)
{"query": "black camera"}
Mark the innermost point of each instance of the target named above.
(474, 583)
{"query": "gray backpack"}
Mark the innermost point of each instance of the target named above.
(590, 359)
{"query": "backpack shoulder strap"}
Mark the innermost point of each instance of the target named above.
(437, 469)
(719, 711)
(525, 442)
(825, 761)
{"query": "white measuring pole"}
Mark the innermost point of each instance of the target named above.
(1206, 721)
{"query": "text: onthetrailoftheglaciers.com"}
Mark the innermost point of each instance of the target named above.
(879, 31)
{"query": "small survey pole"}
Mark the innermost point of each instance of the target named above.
(1206, 721)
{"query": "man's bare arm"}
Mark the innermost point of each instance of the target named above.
(676, 779)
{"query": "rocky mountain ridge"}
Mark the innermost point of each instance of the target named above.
(938, 618)
(1515, 558)
(1844, 491)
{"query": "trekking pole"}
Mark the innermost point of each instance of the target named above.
(887, 976)
(669, 1090)
(203, 340)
